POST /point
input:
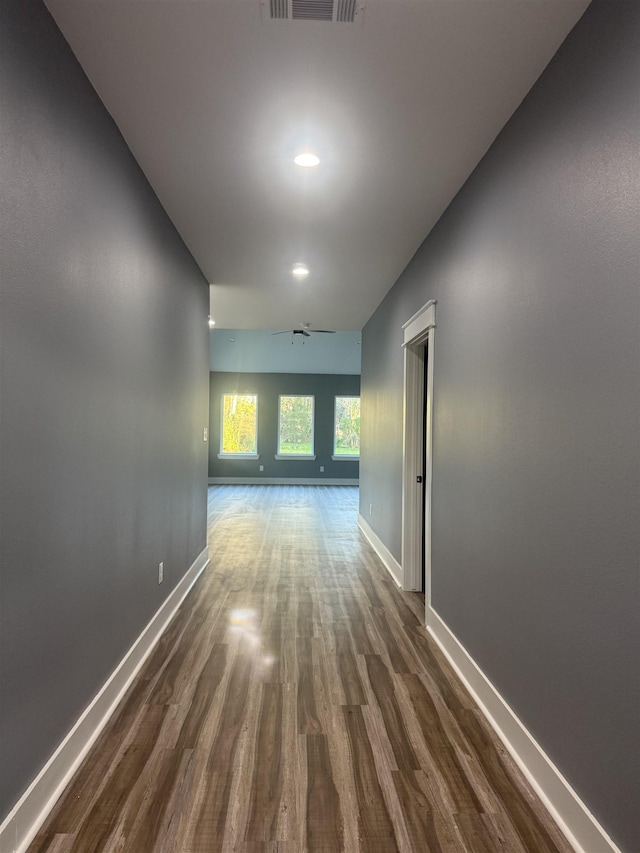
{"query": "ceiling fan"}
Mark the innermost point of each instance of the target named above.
(305, 331)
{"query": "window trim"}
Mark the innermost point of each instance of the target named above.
(291, 456)
(238, 456)
(298, 456)
(344, 457)
(235, 454)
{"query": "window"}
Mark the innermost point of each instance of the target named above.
(239, 433)
(295, 427)
(346, 431)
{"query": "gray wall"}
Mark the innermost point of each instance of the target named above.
(104, 396)
(536, 269)
(262, 351)
(268, 386)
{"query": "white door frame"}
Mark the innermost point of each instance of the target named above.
(418, 331)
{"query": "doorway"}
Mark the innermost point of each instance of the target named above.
(419, 350)
(425, 456)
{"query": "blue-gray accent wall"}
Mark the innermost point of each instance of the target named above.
(268, 386)
(104, 355)
(266, 351)
(536, 269)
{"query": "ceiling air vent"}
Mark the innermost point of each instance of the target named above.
(338, 11)
(279, 9)
(312, 10)
(346, 11)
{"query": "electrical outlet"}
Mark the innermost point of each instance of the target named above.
(262, 467)
(205, 434)
(322, 469)
(160, 572)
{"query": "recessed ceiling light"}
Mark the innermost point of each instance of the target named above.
(306, 159)
(300, 270)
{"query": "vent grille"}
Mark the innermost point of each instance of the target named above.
(339, 11)
(312, 10)
(279, 9)
(346, 11)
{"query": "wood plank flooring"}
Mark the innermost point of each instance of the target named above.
(296, 704)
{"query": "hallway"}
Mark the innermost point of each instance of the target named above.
(296, 704)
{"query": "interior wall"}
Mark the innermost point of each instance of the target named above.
(104, 354)
(268, 386)
(266, 351)
(535, 548)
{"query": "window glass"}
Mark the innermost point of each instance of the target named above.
(239, 423)
(295, 432)
(346, 434)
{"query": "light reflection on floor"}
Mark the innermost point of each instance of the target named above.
(244, 622)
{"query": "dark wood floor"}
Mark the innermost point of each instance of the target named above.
(296, 704)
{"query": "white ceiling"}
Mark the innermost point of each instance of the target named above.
(214, 100)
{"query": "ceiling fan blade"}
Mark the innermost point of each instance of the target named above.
(306, 332)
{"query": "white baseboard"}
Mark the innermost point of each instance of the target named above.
(575, 820)
(388, 560)
(283, 481)
(27, 816)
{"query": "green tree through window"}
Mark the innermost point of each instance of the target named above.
(346, 437)
(239, 423)
(296, 426)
